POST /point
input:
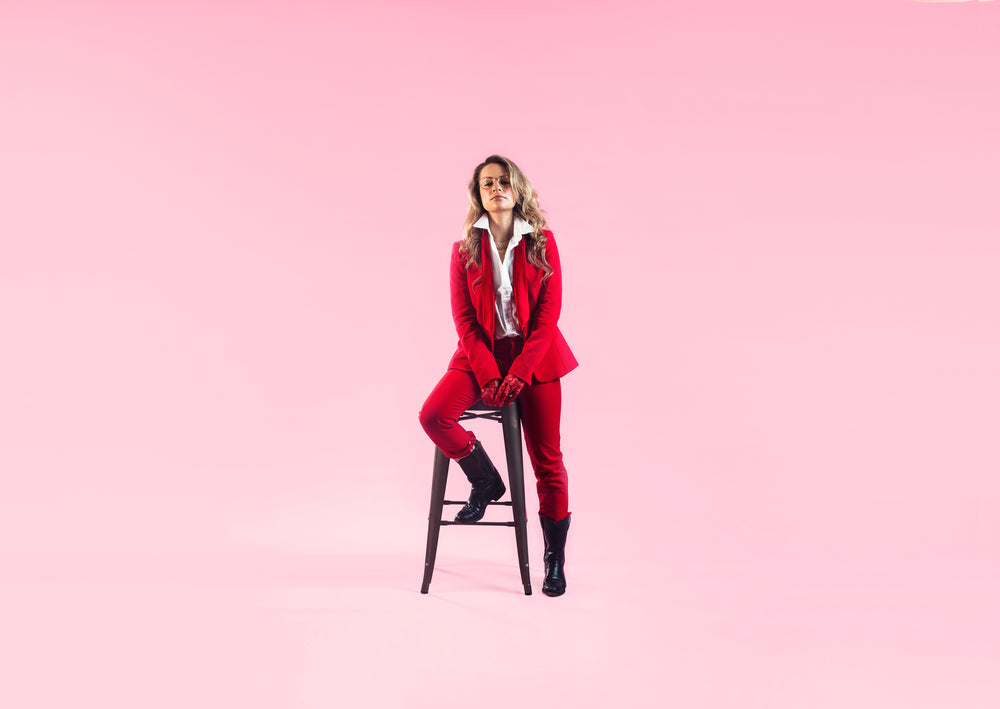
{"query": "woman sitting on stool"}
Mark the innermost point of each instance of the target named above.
(506, 293)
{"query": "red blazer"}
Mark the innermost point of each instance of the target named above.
(545, 356)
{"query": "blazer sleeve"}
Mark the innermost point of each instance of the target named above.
(470, 335)
(544, 319)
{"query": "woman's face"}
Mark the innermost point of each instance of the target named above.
(495, 189)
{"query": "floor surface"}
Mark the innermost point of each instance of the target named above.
(279, 629)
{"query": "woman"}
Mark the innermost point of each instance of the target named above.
(506, 293)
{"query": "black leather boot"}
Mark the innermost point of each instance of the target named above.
(555, 555)
(486, 484)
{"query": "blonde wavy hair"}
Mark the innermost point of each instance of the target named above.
(525, 206)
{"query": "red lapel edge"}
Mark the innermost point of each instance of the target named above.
(487, 288)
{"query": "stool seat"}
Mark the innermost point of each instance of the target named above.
(509, 418)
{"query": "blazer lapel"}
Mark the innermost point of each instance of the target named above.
(521, 285)
(486, 315)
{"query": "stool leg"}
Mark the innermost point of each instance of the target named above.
(510, 418)
(438, 483)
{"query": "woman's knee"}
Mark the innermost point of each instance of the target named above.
(429, 417)
(433, 418)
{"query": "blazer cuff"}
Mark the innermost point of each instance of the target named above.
(485, 375)
(521, 371)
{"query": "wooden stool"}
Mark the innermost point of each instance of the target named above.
(510, 418)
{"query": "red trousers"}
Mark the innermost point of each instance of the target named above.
(541, 407)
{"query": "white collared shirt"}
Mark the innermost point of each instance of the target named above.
(503, 278)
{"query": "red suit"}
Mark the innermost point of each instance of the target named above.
(540, 359)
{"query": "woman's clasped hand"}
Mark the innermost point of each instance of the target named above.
(500, 393)
(490, 393)
(509, 389)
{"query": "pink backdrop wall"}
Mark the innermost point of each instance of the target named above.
(224, 233)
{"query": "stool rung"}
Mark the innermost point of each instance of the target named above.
(462, 502)
(478, 524)
(489, 415)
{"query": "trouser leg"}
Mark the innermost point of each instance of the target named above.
(455, 393)
(541, 407)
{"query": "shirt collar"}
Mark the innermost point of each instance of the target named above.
(521, 227)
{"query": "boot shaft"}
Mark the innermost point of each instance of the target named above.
(478, 467)
(554, 533)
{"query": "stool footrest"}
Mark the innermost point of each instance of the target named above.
(462, 502)
(478, 524)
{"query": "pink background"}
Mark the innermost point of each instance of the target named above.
(224, 234)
